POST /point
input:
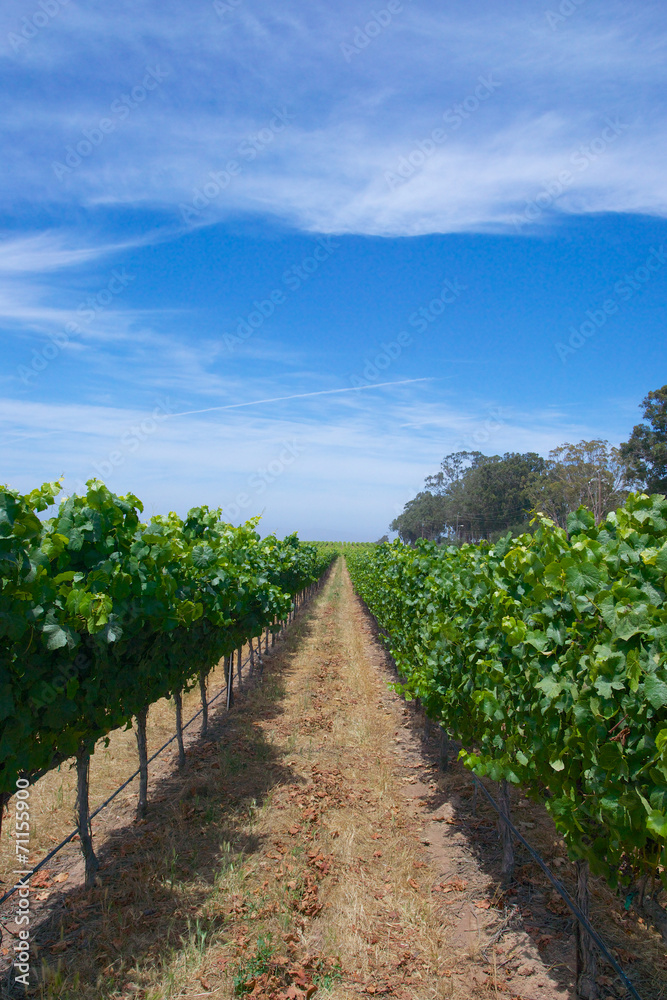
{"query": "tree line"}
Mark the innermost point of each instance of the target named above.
(475, 496)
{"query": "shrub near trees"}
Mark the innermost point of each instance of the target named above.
(475, 496)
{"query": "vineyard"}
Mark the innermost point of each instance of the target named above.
(102, 615)
(542, 658)
(546, 656)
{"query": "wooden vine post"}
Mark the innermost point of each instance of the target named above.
(83, 813)
(586, 957)
(204, 702)
(507, 867)
(427, 727)
(142, 748)
(178, 699)
(229, 674)
(443, 761)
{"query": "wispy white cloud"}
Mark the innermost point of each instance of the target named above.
(54, 250)
(353, 119)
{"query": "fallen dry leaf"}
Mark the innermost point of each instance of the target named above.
(456, 885)
(41, 880)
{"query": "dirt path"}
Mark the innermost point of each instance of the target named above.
(311, 846)
(358, 882)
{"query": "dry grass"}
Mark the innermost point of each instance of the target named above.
(383, 915)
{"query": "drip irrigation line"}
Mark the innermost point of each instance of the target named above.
(26, 878)
(562, 891)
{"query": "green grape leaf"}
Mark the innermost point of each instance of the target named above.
(579, 521)
(583, 576)
(56, 636)
(609, 756)
(655, 691)
(551, 687)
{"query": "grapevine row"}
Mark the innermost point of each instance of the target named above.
(101, 615)
(546, 656)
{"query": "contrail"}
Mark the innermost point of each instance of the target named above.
(300, 395)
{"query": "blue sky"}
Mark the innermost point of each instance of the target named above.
(284, 258)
